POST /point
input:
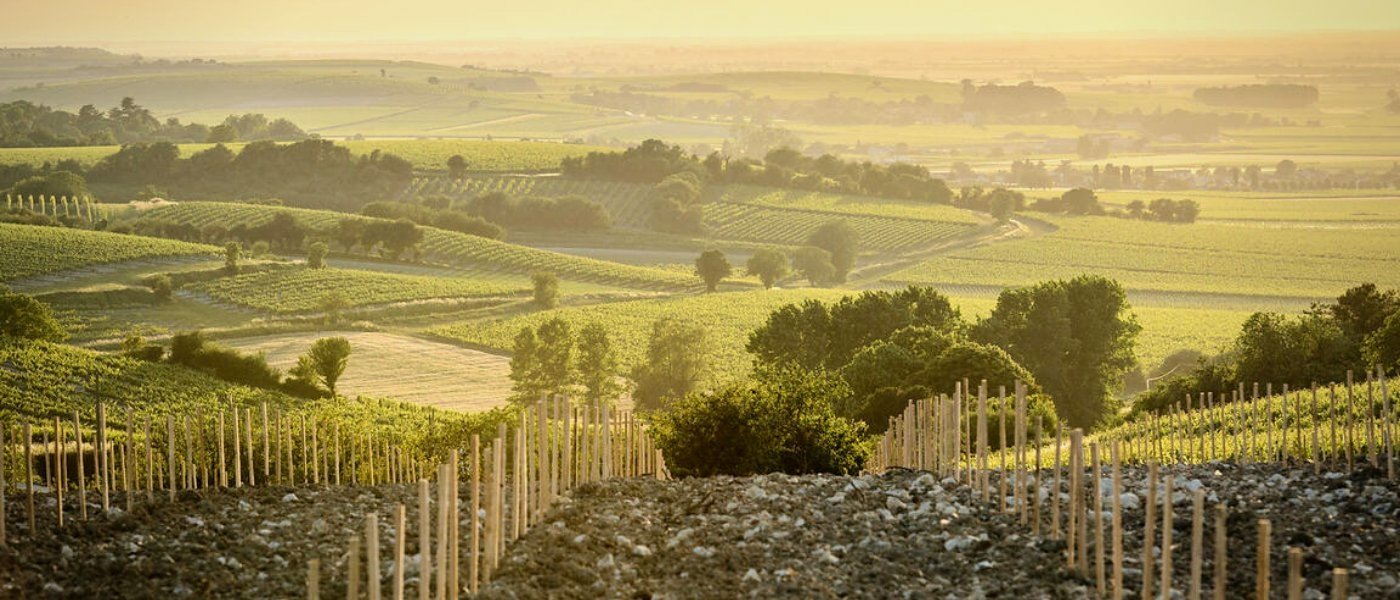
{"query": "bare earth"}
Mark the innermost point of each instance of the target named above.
(402, 367)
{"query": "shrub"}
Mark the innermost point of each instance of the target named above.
(546, 286)
(782, 421)
(161, 286)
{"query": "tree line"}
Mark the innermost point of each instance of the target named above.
(24, 124)
(1360, 327)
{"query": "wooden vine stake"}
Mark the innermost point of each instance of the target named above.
(1261, 574)
(1149, 528)
(425, 547)
(313, 579)
(444, 488)
(1295, 574)
(103, 466)
(1100, 576)
(82, 468)
(400, 539)
(374, 583)
(1167, 532)
(1339, 584)
(352, 584)
(474, 564)
(1220, 542)
(1117, 502)
(28, 441)
(3, 489)
(1198, 509)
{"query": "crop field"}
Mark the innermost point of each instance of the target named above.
(29, 251)
(758, 223)
(448, 247)
(438, 375)
(845, 204)
(1336, 208)
(727, 316)
(1191, 258)
(301, 289)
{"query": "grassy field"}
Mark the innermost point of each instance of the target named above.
(439, 375)
(30, 251)
(1149, 256)
(728, 317)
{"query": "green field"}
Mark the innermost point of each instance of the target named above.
(447, 247)
(1148, 256)
(30, 251)
(727, 316)
(301, 289)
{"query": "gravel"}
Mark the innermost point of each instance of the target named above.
(901, 534)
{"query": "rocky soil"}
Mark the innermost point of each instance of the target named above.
(902, 534)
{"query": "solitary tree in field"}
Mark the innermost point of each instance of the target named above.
(840, 240)
(815, 264)
(676, 363)
(456, 166)
(597, 365)
(324, 363)
(316, 255)
(712, 267)
(524, 366)
(232, 252)
(769, 266)
(546, 289)
(161, 286)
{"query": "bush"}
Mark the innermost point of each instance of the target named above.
(783, 421)
(546, 289)
(161, 286)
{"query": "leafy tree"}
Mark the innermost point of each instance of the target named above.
(1361, 310)
(597, 365)
(1002, 203)
(1296, 351)
(524, 366)
(555, 355)
(546, 292)
(840, 240)
(815, 264)
(325, 361)
(712, 267)
(780, 421)
(348, 233)
(815, 335)
(316, 255)
(22, 316)
(222, 134)
(676, 363)
(233, 251)
(1081, 201)
(1382, 347)
(769, 266)
(161, 286)
(1286, 169)
(456, 166)
(1076, 337)
(55, 184)
(333, 304)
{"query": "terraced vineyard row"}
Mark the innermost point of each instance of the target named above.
(29, 250)
(448, 247)
(752, 222)
(300, 290)
(626, 202)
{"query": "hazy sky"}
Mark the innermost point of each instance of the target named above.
(91, 21)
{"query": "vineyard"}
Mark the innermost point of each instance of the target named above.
(301, 289)
(845, 204)
(757, 223)
(447, 247)
(1164, 257)
(31, 251)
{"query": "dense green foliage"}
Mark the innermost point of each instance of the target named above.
(23, 317)
(783, 421)
(1322, 345)
(552, 359)
(1077, 337)
(712, 267)
(676, 363)
(768, 265)
(25, 124)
